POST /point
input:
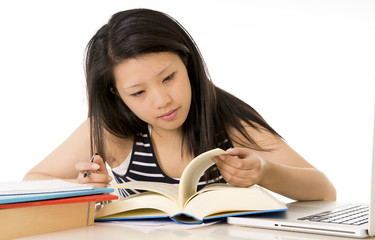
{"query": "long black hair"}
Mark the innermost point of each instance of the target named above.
(135, 32)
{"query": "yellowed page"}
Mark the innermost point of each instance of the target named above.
(146, 200)
(232, 199)
(210, 187)
(192, 173)
(140, 213)
(166, 189)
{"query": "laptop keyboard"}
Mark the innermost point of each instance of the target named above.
(352, 215)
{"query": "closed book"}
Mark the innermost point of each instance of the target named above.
(37, 217)
(28, 197)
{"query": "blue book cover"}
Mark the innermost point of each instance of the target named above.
(188, 219)
(51, 195)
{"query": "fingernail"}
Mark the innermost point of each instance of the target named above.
(230, 150)
(95, 166)
(109, 178)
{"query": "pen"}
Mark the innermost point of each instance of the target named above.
(87, 172)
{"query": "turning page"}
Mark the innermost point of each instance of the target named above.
(192, 173)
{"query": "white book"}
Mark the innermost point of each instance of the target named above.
(40, 186)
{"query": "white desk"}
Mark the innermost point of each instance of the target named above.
(216, 231)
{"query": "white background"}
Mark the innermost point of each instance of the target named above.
(307, 66)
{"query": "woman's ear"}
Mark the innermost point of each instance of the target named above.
(113, 90)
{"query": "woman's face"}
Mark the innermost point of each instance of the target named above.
(156, 88)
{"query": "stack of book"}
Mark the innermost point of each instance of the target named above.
(35, 207)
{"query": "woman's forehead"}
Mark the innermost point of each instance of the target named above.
(146, 66)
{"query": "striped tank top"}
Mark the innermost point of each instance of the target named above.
(142, 165)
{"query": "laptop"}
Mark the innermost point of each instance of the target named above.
(321, 217)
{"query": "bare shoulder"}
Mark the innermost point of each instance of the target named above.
(276, 149)
(261, 136)
(117, 149)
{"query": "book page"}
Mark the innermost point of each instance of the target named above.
(157, 224)
(228, 200)
(166, 189)
(147, 203)
(192, 173)
(210, 187)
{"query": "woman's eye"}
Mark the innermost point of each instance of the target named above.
(169, 77)
(137, 93)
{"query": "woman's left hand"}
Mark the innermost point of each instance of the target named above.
(241, 167)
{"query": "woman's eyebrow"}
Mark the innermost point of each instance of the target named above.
(133, 86)
(160, 73)
(164, 69)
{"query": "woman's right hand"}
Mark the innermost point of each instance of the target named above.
(98, 176)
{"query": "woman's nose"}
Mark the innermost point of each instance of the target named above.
(161, 98)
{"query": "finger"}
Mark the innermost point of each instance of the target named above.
(83, 166)
(239, 172)
(236, 180)
(102, 166)
(98, 177)
(240, 152)
(97, 165)
(250, 162)
(95, 178)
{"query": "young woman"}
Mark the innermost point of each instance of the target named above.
(153, 108)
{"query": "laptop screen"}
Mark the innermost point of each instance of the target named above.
(371, 224)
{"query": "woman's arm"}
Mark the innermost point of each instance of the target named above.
(71, 159)
(280, 170)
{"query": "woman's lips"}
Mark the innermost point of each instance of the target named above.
(169, 116)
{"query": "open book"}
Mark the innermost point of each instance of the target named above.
(184, 204)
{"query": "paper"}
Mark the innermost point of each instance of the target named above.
(155, 224)
(40, 186)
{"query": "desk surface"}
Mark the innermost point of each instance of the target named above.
(105, 231)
